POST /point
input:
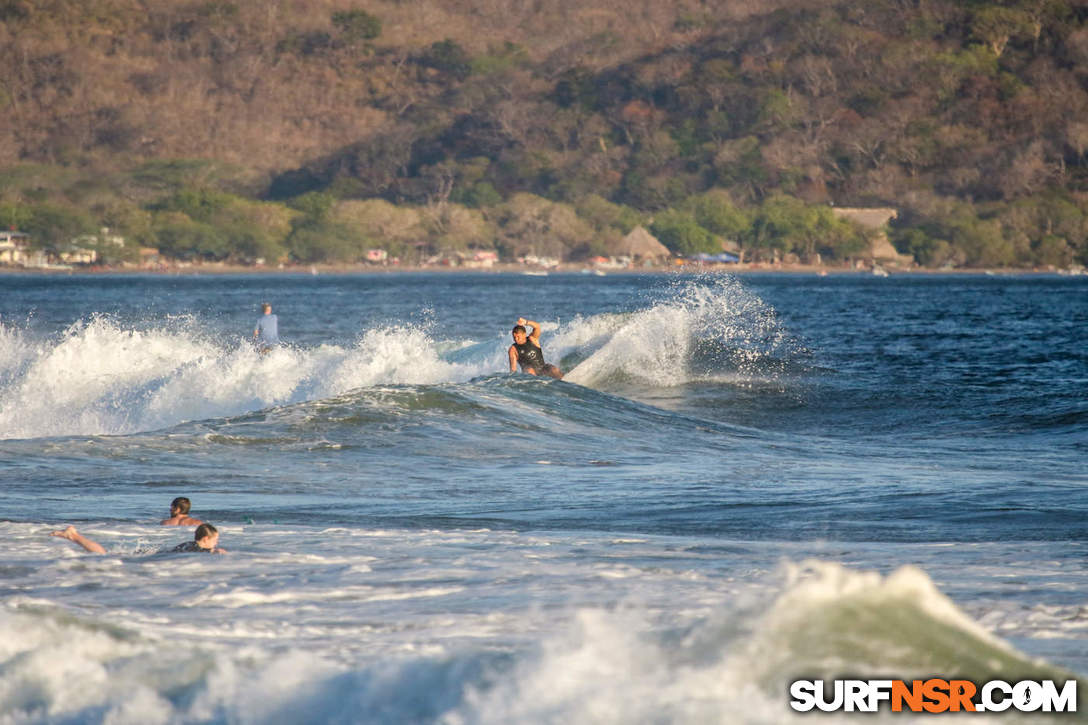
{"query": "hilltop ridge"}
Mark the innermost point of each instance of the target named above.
(311, 131)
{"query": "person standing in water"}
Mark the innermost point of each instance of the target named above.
(266, 335)
(179, 513)
(526, 351)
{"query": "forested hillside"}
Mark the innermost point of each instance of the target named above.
(311, 130)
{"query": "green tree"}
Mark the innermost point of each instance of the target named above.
(382, 224)
(254, 230)
(325, 242)
(454, 227)
(182, 237)
(788, 224)
(314, 205)
(996, 26)
(716, 212)
(606, 216)
(200, 204)
(482, 194)
(679, 231)
(1054, 251)
(14, 215)
(52, 226)
(130, 221)
(530, 224)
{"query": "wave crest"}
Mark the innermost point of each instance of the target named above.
(699, 330)
(100, 377)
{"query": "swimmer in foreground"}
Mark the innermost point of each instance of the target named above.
(205, 540)
(179, 514)
(527, 353)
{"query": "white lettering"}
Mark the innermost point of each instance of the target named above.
(1066, 701)
(803, 693)
(989, 704)
(879, 690)
(836, 702)
(994, 696)
(1027, 696)
(856, 696)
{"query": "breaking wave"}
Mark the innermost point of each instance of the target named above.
(606, 665)
(103, 377)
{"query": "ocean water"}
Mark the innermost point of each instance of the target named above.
(740, 481)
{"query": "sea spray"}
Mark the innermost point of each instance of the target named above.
(693, 330)
(16, 352)
(99, 378)
(91, 379)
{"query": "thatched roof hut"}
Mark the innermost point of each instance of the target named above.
(877, 219)
(640, 244)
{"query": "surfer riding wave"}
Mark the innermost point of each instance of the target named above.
(527, 353)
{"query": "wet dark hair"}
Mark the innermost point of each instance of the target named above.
(203, 531)
(518, 328)
(182, 504)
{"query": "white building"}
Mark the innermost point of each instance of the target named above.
(14, 249)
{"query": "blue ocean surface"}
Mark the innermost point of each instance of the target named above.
(740, 481)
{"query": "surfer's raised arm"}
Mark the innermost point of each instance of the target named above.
(535, 334)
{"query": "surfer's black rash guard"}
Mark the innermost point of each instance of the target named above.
(530, 356)
(191, 546)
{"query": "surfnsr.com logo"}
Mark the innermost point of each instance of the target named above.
(933, 695)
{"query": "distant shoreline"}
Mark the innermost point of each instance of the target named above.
(360, 269)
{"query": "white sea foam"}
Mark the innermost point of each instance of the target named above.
(100, 378)
(514, 637)
(613, 666)
(663, 344)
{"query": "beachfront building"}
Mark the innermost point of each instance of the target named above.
(104, 237)
(480, 259)
(77, 255)
(15, 249)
